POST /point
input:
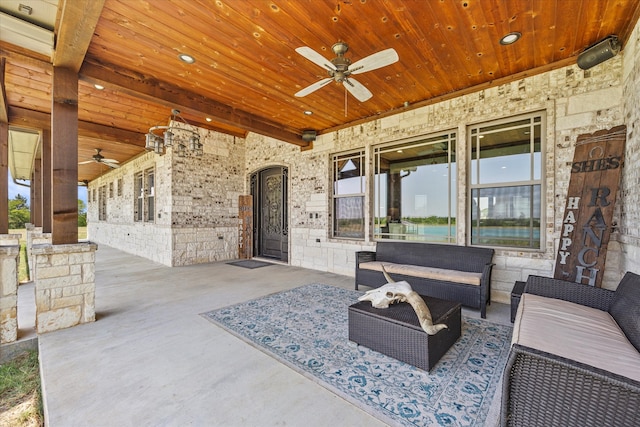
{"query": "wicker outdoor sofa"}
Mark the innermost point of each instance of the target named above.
(575, 356)
(449, 272)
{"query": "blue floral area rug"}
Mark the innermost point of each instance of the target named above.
(307, 329)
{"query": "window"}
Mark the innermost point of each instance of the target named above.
(150, 193)
(111, 190)
(349, 185)
(144, 188)
(102, 203)
(415, 190)
(506, 183)
(139, 197)
(119, 187)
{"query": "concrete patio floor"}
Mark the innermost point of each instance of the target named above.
(150, 359)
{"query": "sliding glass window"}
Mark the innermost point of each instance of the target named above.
(415, 190)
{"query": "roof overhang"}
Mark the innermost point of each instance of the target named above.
(26, 35)
(23, 150)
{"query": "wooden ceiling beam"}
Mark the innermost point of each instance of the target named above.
(78, 20)
(23, 117)
(175, 97)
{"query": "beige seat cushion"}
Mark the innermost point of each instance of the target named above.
(576, 332)
(463, 277)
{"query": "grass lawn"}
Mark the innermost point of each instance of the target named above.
(20, 392)
(20, 395)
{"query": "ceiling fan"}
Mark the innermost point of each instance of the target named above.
(99, 158)
(340, 68)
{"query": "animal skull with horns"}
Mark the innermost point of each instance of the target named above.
(394, 292)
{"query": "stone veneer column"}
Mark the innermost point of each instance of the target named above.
(65, 285)
(35, 236)
(9, 258)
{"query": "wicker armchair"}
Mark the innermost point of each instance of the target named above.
(543, 389)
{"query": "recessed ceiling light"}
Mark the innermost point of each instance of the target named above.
(99, 87)
(510, 38)
(398, 151)
(208, 119)
(186, 58)
(308, 112)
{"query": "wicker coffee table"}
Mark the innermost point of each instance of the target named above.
(396, 332)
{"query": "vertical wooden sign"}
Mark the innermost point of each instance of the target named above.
(586, 224)
(245, 243)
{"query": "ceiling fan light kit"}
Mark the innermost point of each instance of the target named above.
(99, 158)
(340, 69)
(182, 139)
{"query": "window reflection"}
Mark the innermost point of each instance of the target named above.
(505, 177)
(348, 195)
(415, 190)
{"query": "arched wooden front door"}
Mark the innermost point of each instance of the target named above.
(271, 225)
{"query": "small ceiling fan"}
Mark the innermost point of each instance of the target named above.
(340, 68)
(99, 158)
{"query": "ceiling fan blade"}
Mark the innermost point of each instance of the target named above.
(312, 88)
(315, 57)
(112, 165)
(374, 61)
(357, 89)
(86, 162)
(109, 161)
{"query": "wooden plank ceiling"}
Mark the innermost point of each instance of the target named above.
(246, 70)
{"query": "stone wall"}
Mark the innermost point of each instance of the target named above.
(204, 195)
(35, 236)
(64, 277)
(196, 205)
(9, 257)
(575, 101)
(309, 191)
(629, 222)
(152, 240)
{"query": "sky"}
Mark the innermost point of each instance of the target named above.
(15, 189)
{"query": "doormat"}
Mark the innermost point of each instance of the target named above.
(249, 263)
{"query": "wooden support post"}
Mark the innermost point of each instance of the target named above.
(4, 177)
(64, 157)
(46, 181)
(4, 153)
(245, 245)
(36, 193)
